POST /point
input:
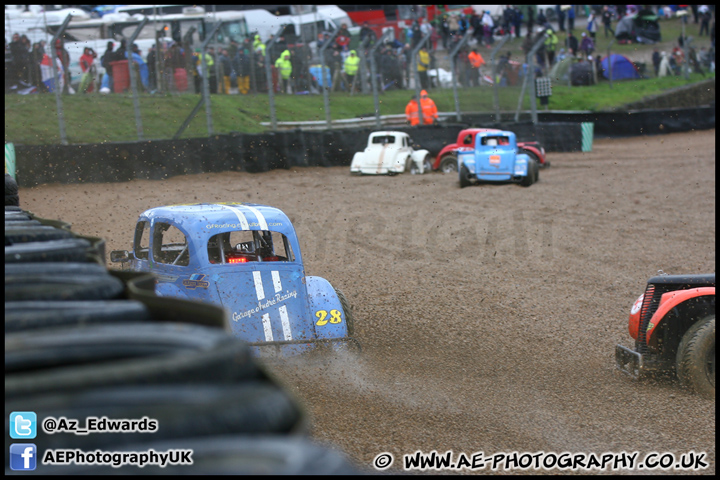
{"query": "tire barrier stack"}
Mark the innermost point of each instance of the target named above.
(83, 341)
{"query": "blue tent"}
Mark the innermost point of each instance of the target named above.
(622, 68)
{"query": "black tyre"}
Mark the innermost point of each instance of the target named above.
(23, 223)
(28, 287)
(17, 217)
(530, 178)
(66, 360)
(181, 411)
(33, 315)
(55, 268)
(448, 164)
(696, 357)
(66, 250)
(465, 177)
(349, 317)
(530, 154)
(43, 233)
(11, 191)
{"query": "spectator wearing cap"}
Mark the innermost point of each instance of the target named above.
(587, 47)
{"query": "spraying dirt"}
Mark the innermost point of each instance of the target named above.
(488, 315)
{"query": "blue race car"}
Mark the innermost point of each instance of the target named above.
(246, 258)
(494, 157)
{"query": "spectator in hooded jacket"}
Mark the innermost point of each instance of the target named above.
(428, 108)
(284, 67)
(351, 65)
(587, 46)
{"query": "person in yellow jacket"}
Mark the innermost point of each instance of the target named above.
(284, 67)
(351, 65)
(412, 113)
(423, 65)
(429, 110)
(258, 46)
(551, 41)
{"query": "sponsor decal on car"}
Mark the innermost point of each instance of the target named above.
(196, 281)
(263, 305)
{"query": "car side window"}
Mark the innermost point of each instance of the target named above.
(382, 139)
(467, 140)
(142, 240)
(170, 245)
(245, 246)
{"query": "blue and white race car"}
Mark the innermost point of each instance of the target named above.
(246, 258)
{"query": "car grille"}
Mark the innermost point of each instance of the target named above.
(651, 301)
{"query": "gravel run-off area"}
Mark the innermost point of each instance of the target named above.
(489, 315)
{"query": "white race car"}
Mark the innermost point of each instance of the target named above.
(390, 153)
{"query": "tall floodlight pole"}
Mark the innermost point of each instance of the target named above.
(133, 79)
(453, 60)
(58, 93)
(373, 77)
(271, 93)
(206, 80)
(530, 78)
(326, 80)
(496, 93)
(415, 51)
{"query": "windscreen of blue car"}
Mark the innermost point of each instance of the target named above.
(244, 246)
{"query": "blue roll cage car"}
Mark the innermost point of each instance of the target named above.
(494, 158)
(246, 258)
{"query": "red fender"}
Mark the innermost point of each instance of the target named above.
(533, 149)
(446, 149)
(671, 300)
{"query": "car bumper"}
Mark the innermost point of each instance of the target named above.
(628, 361)
(286, 348)
(637, 365)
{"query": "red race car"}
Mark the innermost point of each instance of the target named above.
(446, 161)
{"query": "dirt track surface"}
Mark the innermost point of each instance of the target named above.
(488, 315)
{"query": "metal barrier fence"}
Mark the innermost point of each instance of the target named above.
(384, 65)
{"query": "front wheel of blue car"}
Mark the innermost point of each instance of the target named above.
(465, 177)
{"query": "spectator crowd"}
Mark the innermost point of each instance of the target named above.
(239, 68)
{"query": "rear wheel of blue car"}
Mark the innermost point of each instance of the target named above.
(532, 174)
(349, 318)
(696, 357)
